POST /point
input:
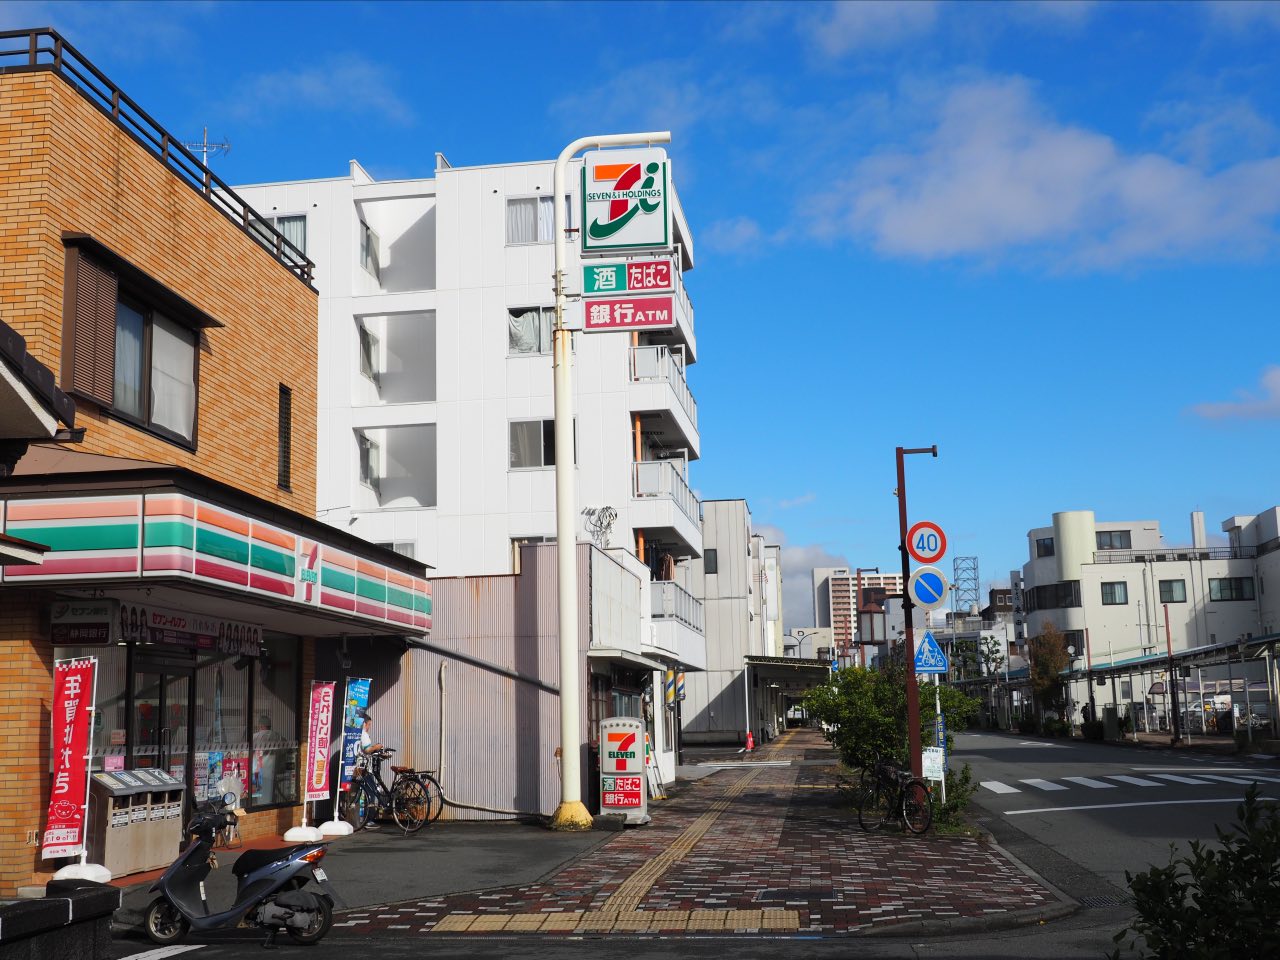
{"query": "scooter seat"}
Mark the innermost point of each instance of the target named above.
(252, 860)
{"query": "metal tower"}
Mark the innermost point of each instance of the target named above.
(964, 580)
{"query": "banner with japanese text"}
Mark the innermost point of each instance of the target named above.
(72, 713)
(353, 706)
(321, 725)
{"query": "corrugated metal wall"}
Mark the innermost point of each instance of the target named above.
(496, 701)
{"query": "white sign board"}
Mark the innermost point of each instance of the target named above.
(622, 774)
(626, 201)
(933, 763)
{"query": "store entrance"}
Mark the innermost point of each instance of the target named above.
(160, 719)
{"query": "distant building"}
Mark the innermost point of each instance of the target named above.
(834, 598)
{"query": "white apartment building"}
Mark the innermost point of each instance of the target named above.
(1124, 599)
(436, 433)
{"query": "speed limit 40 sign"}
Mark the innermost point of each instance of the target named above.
(926, 542)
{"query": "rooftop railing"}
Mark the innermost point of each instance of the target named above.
(1169, 554)
(24, 51)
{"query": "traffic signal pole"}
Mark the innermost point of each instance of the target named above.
(909, 637)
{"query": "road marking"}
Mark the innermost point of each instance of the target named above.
(1043, 784)
(1136, 781)
(1218, 776)
(733, 764)
(1037, 743)
(1177, 779)
(995, 786)
(170, 951)
(1197, 770)
(1115, 806)
(1267, 779)
(1090, 782)
(1261, 756)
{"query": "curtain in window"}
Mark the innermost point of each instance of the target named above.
(523, 331)
(546, 222)
(294, 230)
(526, 443)
(522, 220)
(127, 391)
(173, 389)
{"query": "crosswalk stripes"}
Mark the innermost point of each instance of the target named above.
(1090, 782)
(1177, 779)
(995, 786)
(1043, 784)
(1224, 779)
(1136, 781)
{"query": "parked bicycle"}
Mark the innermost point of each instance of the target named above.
(888, 794)
(413, 799)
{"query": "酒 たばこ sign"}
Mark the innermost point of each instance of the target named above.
(633, 276)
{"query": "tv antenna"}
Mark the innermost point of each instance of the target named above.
(205, 148)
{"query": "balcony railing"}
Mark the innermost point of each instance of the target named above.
(657, 362)
(670, 601)
(661, 478)
(1168, 554)
(43, 49)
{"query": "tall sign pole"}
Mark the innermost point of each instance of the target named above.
(913, 696)
(572, 813)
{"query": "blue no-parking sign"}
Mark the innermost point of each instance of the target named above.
(928, 588)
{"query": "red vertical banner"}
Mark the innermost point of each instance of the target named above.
(72, 710)
(318, 733)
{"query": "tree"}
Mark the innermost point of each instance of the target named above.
(1048, 654)
(965, 658)
(991, 655)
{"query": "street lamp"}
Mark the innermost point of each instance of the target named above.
(857, 615)
(572, 813)
(909, 648)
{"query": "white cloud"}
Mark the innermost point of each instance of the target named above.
(799, 501)
(1212, 132)
(1243, 15)
(869, 24)
(346, 84)
(798, 562)
(1264, 405)
(996, 175)
(1059, 13)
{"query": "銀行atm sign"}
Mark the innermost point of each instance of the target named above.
(625, 204)
(628, 313)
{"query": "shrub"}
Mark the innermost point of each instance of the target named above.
(1092, 729)
(1028, 725)
(1214, 902)
(960, 790)
(1053, 727)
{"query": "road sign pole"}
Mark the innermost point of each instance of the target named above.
(909, 637)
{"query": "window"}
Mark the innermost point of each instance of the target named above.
(293, 228)
(132, 344)
(530, 219)
(529, 329)
(284, 438)
(369, 251)
(1173, 591)
(1114, 540)
(403, 547)
(1114, 594)
(1044, 547)
(1053, 596)
(370, 461)
(710, 561)
(533, 444)
(369, 355)
(1231, 588)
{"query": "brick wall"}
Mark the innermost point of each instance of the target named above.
(64, 166)
(26, 689)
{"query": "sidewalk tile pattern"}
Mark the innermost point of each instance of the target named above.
(757, 849)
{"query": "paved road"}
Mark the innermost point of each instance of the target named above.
(1081, 813)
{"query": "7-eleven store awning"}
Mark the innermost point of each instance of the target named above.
(163, 527)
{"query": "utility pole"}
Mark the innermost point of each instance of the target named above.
(909, 636)
(572, 813)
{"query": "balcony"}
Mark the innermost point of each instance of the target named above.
(677, 633)
(660, 395)
(663, 504)
(1172, 554)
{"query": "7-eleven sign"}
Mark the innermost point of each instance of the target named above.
(625, 201)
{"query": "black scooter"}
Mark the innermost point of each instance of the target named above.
(269, 891)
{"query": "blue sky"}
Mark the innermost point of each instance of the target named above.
(1042, 235)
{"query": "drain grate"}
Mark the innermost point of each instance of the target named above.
(1093, 903)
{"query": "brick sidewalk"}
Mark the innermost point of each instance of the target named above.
(748, 850)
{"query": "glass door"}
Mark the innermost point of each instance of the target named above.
(159, 726)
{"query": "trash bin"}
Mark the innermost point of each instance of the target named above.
(162, 834)
(136, 820)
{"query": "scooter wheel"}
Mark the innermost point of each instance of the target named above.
(319, 926)
(164, 924)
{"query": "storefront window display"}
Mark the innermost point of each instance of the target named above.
(273, 761)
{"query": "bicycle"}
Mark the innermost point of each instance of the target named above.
(413, 799)
(889, 794)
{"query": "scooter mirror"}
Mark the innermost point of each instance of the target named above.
(229, 799)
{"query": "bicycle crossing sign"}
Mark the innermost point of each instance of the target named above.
(929, 656)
